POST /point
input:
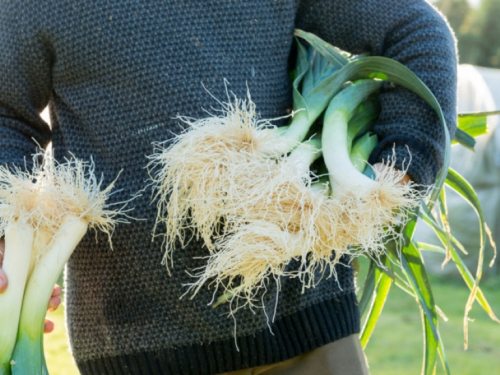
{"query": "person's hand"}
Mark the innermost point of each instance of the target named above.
(55, 299)
(380, 167)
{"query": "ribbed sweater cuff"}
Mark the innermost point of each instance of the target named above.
(292, 335)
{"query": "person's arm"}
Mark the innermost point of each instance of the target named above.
(415, 34)
(25, 83)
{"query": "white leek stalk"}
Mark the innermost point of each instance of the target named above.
(71, 200)
(335, 141)
(363, 119)
(18, 243)
(305, 154)
(361, 151)
(375, 206)
(28, 354)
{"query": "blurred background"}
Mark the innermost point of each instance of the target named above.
(477, 28)
(396, 346)
(476, 24)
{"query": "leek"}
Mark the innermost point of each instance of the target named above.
(18, 242)
(22, 216)
(43, 215)
(294, 219)
(28, 355)
(402, 250)
(191, 173)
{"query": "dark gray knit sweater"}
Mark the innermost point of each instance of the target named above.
(116, 73)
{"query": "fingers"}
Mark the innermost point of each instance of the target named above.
(55, 299)
(3, 281)
(49, 326)
(381, 167)
(56, 292)
(3, 276)
(54, 303)
(2, 250)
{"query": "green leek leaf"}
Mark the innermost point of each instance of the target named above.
(443, 210)
(363, 118)
(380, 294)
(368, 289)
(427, 217)
(432, 337)
(301, 68)
(463, 188)
(388, 70)
(362, 149)
(331, 53)
(475, 124)
(470, 126)
(464, 138)
(414, 270)
(462, 268)
(428, 247)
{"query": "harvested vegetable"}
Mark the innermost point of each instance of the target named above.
(24, 220)
(44, 215)
(191, 172)
(286, 219)
(266, 220)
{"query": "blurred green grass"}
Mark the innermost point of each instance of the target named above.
(396, 346)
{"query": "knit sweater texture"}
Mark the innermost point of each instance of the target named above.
(115, 74)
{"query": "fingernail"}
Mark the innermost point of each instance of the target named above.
(2, 283)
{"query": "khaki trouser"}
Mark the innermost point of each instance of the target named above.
(341, 357)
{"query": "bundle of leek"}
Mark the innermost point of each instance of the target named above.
(44, 215)
(24, 220)
(232, 156)
(264, 222)
(405, 255)
(194, 172)
(293, 216)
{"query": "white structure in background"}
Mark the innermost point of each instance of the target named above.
(478, 90)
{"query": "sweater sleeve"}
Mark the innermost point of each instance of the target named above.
(415, 34)
(25, 84)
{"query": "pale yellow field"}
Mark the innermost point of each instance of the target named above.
(59, 360)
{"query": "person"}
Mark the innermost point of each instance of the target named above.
(115, 75)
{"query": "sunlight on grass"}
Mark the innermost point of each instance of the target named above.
(396, 345)
(59, 360)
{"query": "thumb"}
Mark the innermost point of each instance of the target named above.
(3, 281)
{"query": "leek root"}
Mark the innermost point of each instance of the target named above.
(193, 178)
(44, 215)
